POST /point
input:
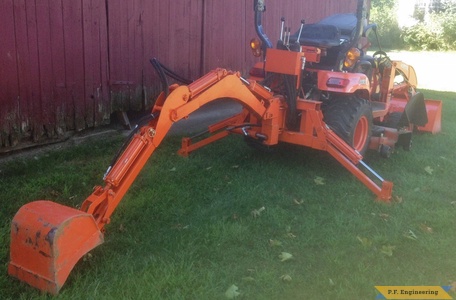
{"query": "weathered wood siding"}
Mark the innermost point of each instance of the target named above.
(54, 68)
(67, 65)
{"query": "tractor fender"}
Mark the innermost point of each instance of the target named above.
(347, 83)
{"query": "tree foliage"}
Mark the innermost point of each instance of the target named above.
(383, 13)
(435, 29)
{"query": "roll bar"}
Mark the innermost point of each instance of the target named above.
(361, 15)
(259, 7)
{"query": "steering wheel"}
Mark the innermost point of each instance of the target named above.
(380, 54)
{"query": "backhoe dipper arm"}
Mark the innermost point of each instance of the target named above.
(182, 101)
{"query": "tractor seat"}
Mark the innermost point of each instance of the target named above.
(329, 32)
(318, 35)
(345, 23)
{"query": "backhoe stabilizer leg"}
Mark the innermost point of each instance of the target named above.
(350, 158)
(382, 192)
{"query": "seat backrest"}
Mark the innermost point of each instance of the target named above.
(345, 23)
(331, 33)
(318, 35)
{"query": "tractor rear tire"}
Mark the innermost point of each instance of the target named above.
(350, 117)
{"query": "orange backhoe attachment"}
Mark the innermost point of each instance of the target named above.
(47, 239)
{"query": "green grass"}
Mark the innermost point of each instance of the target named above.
(185, 229)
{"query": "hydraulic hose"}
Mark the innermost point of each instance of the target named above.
(163, 71)
(161, 74)
(174, 75)
(291, 96)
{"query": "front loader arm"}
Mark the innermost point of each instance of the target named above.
(182, 101)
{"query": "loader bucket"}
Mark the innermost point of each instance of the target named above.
(434, 112)
(47, 240)
(425, 113)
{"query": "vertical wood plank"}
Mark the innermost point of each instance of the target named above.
(95, 62)
(27, 70)
(102, 104)
(118, 45)
(47, 80)
(151, 26)
(74, 64)
(194, 39)
(8, 74)
(90, 62)
(32, 44)
(58, 65)
(136, 53)
(163, 34)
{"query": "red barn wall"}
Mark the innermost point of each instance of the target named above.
(67, 65)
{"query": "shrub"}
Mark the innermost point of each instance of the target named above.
(434, 31)
(437, 32)
(448, 21)
(420, 37)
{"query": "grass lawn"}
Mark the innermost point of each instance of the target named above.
(186, 230)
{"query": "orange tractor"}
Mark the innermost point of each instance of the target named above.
(317, 88)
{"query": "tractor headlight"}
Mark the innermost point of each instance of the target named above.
(255, 45)
(352, 57)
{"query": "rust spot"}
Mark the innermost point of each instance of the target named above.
(28, 240)
(15, 228)
(45, 223)
(50, 236)
(44, 254)
(37, 237)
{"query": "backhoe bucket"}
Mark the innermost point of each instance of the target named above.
(47, 240)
